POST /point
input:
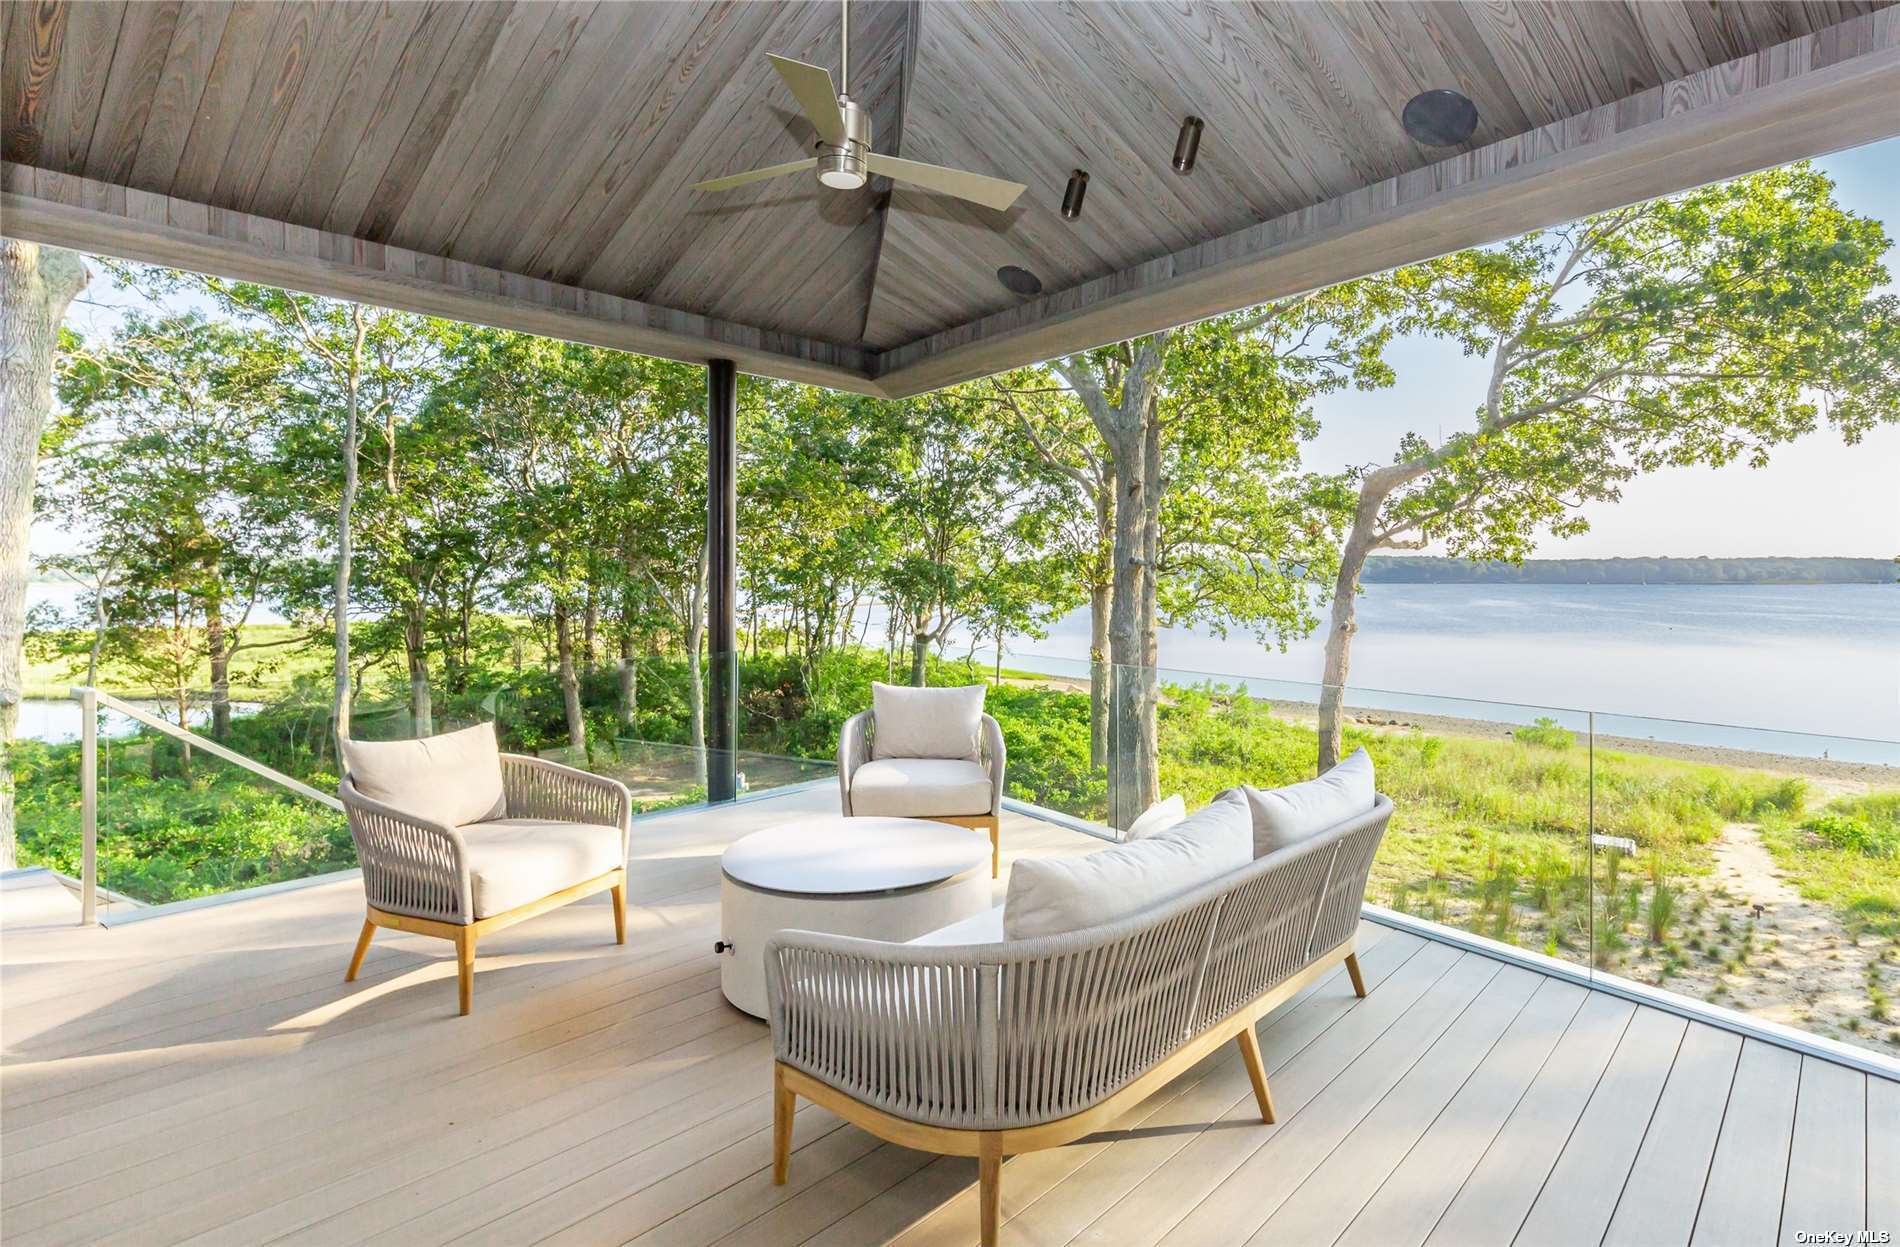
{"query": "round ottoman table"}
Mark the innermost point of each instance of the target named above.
(877, 878)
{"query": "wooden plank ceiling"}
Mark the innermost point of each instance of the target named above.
(557, 141)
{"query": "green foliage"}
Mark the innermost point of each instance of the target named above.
(1866, 825)
(1546, 732)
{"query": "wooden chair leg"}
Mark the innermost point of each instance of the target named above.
(1358, 980)
(620, 913)
(989, 1179)
(362, 947)
(1256, 1072)
(784, 1103)
(465, 967)
(996, 848)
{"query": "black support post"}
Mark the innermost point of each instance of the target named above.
(722, 556)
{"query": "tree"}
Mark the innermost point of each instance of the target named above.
(162, 455)
(357, 365)
(1700, 329)
(1201, 427)
(37, 284)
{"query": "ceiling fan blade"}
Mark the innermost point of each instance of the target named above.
(975, 187)
(811, 87)
(756, 175)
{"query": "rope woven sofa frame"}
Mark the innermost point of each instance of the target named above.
(994, 1049)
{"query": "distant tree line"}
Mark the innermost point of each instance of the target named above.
(1427, 570)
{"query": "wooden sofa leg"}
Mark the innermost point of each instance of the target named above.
(784, 1103)
(620, 912)
(1256, 1071)
(989, 1179)
(362, 947)
(465, 967)
(1352, 968)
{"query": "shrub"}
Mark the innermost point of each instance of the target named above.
(1545, 731)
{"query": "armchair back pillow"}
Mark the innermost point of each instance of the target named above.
(1048, 896)
(454, 778)
(926, 722)
(1286, 816)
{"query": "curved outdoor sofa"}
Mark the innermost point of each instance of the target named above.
(986, 1050)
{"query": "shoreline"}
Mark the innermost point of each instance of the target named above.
(1306, 713)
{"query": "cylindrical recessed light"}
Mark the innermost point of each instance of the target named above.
(1019, 280)
(1188, 145)
(1072, 197)
(1439, 118)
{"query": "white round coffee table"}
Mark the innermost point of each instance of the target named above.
(877, 878)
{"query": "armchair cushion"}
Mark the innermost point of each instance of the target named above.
(451, 779)
(512, 861)
(926, 722)
(920, 787)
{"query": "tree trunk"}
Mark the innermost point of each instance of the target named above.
(1148, 762)
(36, 286)
(1360, 542)
(695, 668)
(1124, 638)
(218, 653)
(590, 625)
(629, 692)
(1098, 633)
(919, 651)
(346, 507)
(415, 647)
(570, 682)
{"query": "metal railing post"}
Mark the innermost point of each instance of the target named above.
(89, 806)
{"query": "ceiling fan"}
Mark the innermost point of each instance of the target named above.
(845, 160)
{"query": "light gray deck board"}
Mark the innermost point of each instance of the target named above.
(1827, 1159)
(207, 1076)
(1741, 1201)
(1664, 1190)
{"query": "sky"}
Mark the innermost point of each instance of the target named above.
(1815, 497)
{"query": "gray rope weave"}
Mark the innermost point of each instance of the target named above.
(999, 1036)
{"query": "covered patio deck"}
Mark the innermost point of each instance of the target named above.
(207, 1077)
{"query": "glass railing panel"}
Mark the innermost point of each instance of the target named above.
(1766, 872)
(177, 822)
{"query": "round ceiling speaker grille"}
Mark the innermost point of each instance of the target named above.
(1019, 280)
(1439, 118)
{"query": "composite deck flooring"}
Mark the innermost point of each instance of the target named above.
(206, 1077)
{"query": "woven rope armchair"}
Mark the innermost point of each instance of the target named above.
(558, 825)
(988, 1050)
(854, 755)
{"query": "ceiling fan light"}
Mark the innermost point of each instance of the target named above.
(841, 179)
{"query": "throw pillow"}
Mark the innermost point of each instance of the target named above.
(1286, 816)
(927, 722)
(454, 778)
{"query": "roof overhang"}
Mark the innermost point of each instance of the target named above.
(1819, 92)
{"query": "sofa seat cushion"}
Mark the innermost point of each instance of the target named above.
(926, 722)
(451, 779)
(512, 861)
(1282, 817)
(983, 928)
(1048, 896)
(920, 787)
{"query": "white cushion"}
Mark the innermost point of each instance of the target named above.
(512, 861)
(453, 778)
(1286, 816)
(983, 928)
(1160, 816)
(926, 722)
(919, 787)
(1048, 896)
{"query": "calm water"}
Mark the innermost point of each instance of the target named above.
(1772, 667)
(1766, 662)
